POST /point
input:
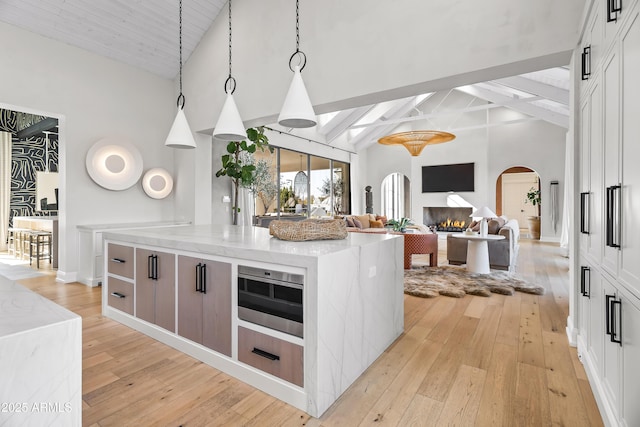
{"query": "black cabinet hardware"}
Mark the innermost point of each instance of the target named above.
(265, 354)
(586, 62)
(152, 267)
(585, 281)
(118, 260)
(607, 313)
(616, 322)
(117, 295)
(613, 216)
(614, 7)
(584, 213)
(201, 277)
(198, 281)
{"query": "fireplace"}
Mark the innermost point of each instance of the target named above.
(446, 218)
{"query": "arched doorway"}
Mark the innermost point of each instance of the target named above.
(396, 196)
(512, 187)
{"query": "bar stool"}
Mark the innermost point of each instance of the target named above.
(40, 246)
(17, 246)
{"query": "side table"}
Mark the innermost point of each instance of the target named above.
(478, 251)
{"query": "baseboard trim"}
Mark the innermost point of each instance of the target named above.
(572, 332)
(66, 277)
(549, 239)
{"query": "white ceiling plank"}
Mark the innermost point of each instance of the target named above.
(343, 121)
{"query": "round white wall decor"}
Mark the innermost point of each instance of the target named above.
(113, 164)
(157, 183)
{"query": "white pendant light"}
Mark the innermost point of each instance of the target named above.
(180, 135)
(297, 111)
(229, 126)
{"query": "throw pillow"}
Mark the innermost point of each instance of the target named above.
(376, 224)
(474, 226)
(382, 218)
(494, 225)
(350, 222)
(364, 220)
(357, 223)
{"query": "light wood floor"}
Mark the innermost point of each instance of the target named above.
(498, 361)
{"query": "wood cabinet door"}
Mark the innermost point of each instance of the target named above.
(216, 300)
(189, 300)
(145, 287)
(165, 304)
(155, 288)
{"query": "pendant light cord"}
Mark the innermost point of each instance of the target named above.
(180, 96)
(230, 83)
(297, 26)
(302, 61)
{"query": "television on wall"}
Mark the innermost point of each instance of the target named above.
(445, 178)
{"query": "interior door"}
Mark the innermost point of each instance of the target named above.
(514, 195)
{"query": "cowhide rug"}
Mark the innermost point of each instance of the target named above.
(429, 282)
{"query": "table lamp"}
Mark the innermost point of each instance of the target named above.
(485, 213)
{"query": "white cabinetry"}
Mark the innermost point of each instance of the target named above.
(609, 244)
(90, 247)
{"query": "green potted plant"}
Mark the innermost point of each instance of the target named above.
(533, 197)
(399, 224)
(237, 163)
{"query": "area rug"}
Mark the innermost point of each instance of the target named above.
(429, 282)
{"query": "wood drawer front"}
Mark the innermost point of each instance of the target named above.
(120, 260)
(289, 366)
(123, 300)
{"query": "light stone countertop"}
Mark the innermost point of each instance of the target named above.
(240, 241)
(22, 310)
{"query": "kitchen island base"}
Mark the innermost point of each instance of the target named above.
(353, 306)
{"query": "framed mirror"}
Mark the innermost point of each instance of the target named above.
(47, 191)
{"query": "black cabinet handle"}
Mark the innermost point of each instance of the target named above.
(152, 267)
(118, 260)
(155, 267)
(265, 354)
(613, 8)
(585, 279)
(586, 62)
(617, 333)
(203, 278)
(118, 295)
(198, 281)
(584, 213)
(607, 313)
(613, 219)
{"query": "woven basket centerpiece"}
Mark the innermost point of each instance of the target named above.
(308, 229)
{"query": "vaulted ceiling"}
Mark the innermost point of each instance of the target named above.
(144, 34)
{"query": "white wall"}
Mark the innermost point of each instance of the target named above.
(537, 145)
(94, 97)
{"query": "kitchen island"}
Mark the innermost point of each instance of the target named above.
(180, 286)
(40, 360)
